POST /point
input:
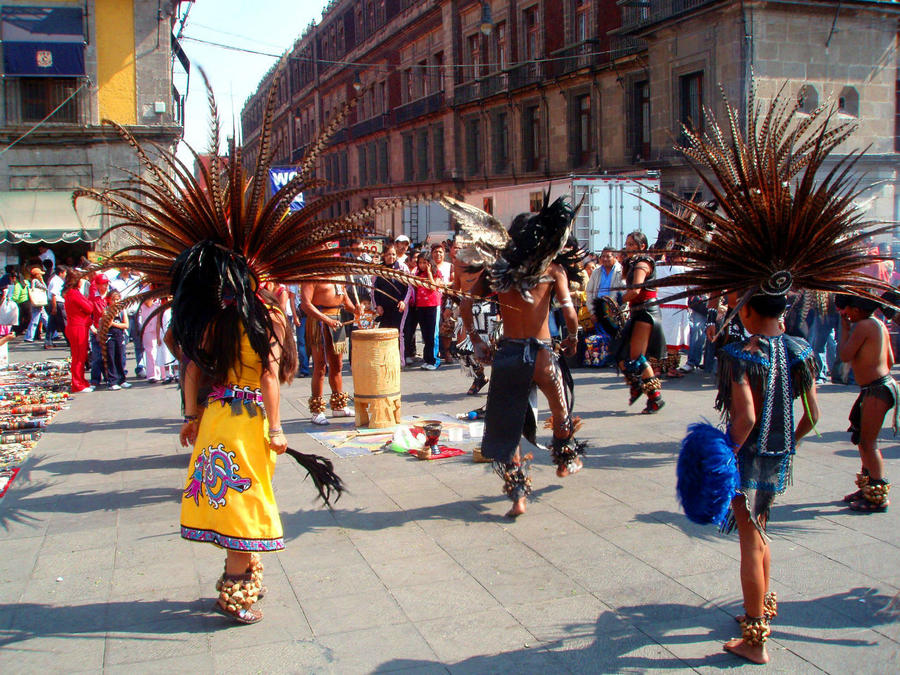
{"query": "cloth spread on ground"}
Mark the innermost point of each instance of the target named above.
(345, 440)
(443, 452)
(30, 395)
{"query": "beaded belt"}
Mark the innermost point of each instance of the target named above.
(232, 392)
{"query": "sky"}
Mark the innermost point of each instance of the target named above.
(269, 26)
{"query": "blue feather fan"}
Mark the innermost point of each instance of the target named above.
(707, 474)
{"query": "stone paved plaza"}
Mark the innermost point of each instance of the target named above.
(417, 569)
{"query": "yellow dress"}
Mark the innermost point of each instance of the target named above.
(228, 499)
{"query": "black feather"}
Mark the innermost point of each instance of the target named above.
(321, 470)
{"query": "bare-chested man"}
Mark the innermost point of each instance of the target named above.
(866, 345)
(327, 342)
(525, 359)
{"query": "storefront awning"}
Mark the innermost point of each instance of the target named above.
(34, 216)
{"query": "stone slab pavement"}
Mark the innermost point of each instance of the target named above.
(417, 570)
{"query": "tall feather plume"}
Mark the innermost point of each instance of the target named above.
(166, 210)
(781, 221)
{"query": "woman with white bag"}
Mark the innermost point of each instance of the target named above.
(38, 297)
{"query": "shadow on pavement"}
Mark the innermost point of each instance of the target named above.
(24, 502)
(465, 511)
(113, 465)
(613, 646)
(156, 617)
(152, 424)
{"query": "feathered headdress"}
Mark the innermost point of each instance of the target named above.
(776, 225)
(517, 259)
(167, 211)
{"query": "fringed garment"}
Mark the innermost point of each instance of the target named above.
(644, 310)
(778, 369)
(335, 339)
(885, 389)
(511, 410)
(228, 499)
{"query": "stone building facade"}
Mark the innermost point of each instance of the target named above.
(112, 59)
(562, 87)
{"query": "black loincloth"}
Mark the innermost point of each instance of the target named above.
(884, 389)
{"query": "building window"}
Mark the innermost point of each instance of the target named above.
(473, 53)
(580, 130)
(438, 145)
(500, 141)
(422, 155)
(408, 159)
(501, 49)
(531, 29)
(473, 146)
(897, 116)
(580, 24)
(372, 172)
(535, 201)
(407, 89)
(39, 96)
(809, 98)
(383, 171)
(640, 131)
(692, 100)
(437, 72)
(532, 33)
(422, 79)
(848, 101)
(531, 137)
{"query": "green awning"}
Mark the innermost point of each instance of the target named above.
(36, 216)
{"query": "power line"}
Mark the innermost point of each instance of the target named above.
(381, 66)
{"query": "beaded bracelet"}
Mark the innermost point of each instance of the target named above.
(190, 418)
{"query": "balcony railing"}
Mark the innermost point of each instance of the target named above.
(525, 74)
(623, 45)
(422, 106)
(340, 136)
(467, 92)
(369, 126)
(494, 84)
(577, 56)
(637, 14)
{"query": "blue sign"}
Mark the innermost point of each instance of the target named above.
(43, 41)
(278, 178)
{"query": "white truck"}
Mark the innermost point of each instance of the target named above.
(612, 208)
(612, 205)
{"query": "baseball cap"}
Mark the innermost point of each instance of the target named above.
(402, 237)
(101, 278)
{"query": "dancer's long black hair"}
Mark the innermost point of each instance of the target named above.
(214, 293)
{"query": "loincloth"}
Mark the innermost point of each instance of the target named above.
(511, 410)
(315, 332)
(884, 389)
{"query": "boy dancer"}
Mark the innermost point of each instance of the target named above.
(865, 344)
(777, 228)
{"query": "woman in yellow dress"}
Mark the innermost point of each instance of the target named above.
(237, 342)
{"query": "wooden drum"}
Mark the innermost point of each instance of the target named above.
(376, 377)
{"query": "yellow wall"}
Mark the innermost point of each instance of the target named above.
(114, 20)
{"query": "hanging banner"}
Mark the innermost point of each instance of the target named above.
(42, 41)
(278, 178)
